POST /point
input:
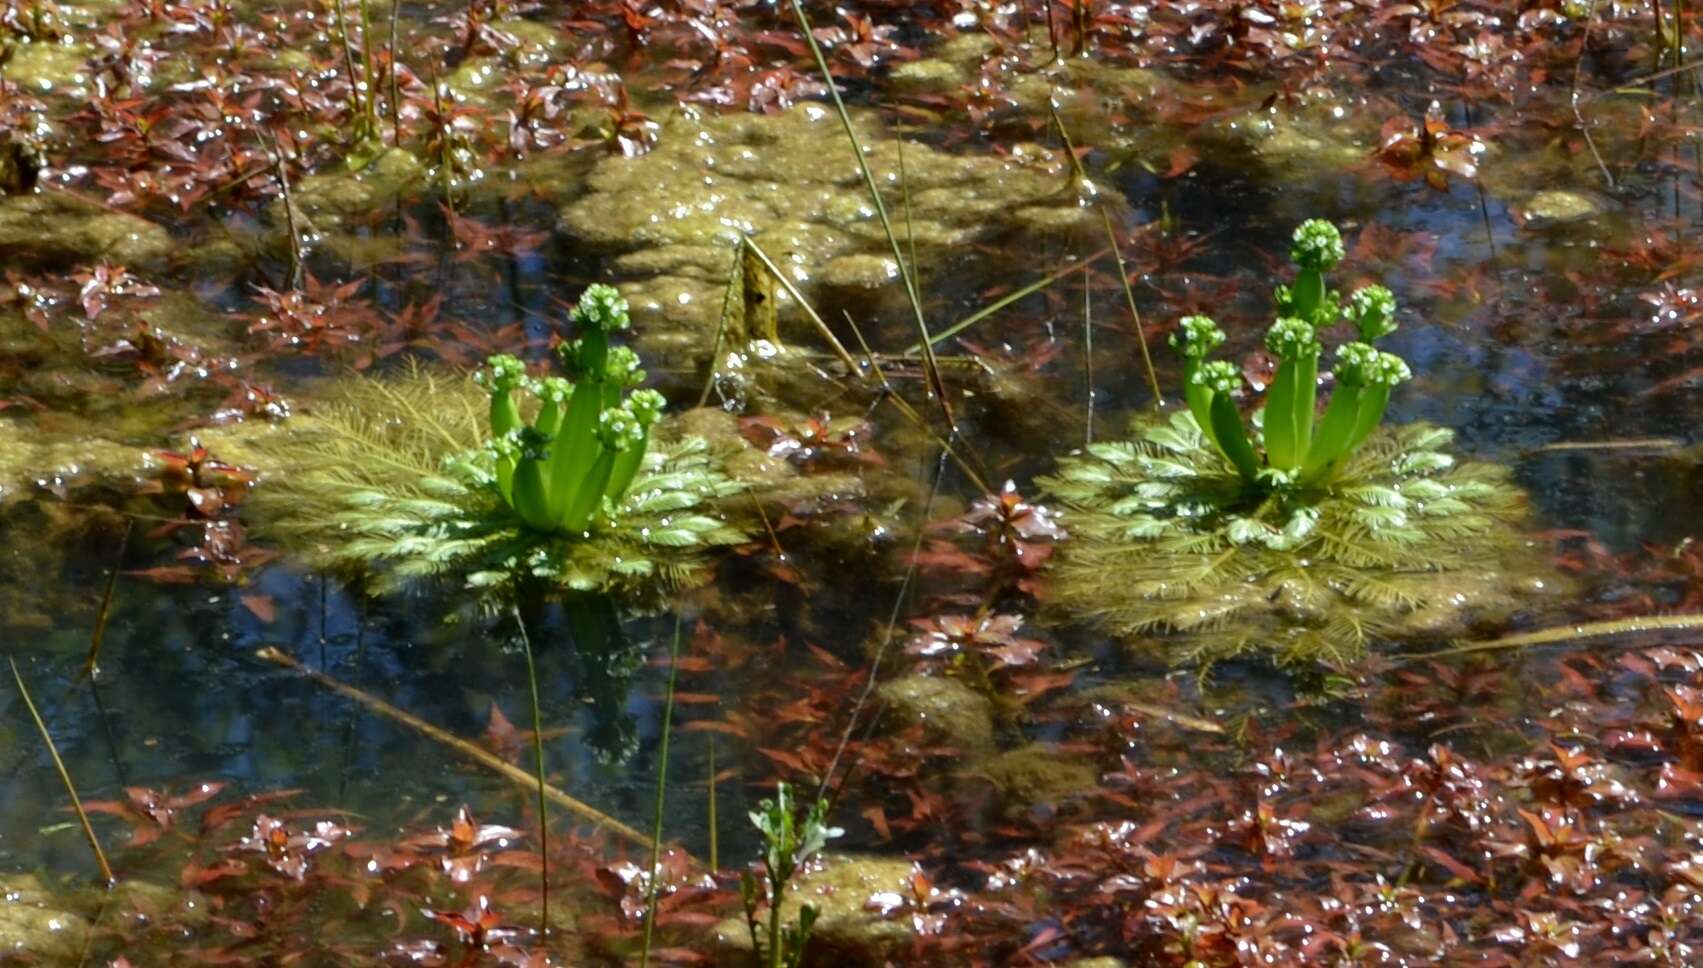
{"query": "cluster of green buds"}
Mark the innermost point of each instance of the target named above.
(588, 438)
(1300, 449)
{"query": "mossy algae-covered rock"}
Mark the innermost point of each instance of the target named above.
(949, 712)
(1166, 539)
(1035, 777)
(50, 227)
(35, 926)
(849, 931)
(790, 181)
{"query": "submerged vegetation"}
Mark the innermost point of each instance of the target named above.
(427, 474)
(1309, 537)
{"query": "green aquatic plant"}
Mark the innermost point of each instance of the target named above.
(579, 455)
(580, 486)
(1295, 455)
(790, 840)
(1302, 534)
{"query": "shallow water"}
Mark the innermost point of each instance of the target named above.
(1523, 337)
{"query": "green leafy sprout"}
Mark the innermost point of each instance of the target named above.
(790, 840)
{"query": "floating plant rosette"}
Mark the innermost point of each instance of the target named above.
(501, 479)
(1302, 535)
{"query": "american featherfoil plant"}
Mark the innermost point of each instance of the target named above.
(1305, 535)
(503, 478)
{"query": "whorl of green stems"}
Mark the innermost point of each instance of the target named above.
(588, 438)
(1300, 448)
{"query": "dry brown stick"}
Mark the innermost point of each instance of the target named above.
(65, 776)
(483, 757)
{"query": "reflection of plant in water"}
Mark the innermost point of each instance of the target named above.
(404, 472)
(1306, 535)
(789, 842)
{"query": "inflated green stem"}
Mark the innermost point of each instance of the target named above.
(646, 406)
(503, 374)
(1232, 437)
(530, 498)
(1335, 431)
(553, 395)
(592, 362)
(1364, 378)
(1195, 338)
(1221, 379)
(1289, 411)
(617, 432)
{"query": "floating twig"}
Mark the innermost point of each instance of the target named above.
(538, 759)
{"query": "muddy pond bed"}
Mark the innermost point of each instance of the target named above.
(735, 483)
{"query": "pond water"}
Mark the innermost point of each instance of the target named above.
(1545, 315)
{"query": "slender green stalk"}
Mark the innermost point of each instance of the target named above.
(395, 96)
(930, 366)
(1008, 299)
(1117, 256)
(98, 637)
(715, 833)
(538, 760)
(662, 796)
(721, 325)
(65, 777)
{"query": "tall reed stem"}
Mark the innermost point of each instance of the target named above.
(661, 797)
(538, 759)
(930, 366)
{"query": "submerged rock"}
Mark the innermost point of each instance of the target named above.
(49, 228)
(849, 932)
(1035, 777)
(949, 712)
(1558, 206)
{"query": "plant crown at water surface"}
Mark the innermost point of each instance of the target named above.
(505, 478)
(1306, 535)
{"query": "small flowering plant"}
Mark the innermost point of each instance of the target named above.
(1300, 449)
(584, 447)
(1307, 535)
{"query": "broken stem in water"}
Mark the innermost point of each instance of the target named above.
(483, 757)
(65, 777)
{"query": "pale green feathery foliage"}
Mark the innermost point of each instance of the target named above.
(390, 475)
(1167, 537)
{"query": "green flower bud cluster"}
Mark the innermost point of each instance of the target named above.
(587, 440)
(1301, 450)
